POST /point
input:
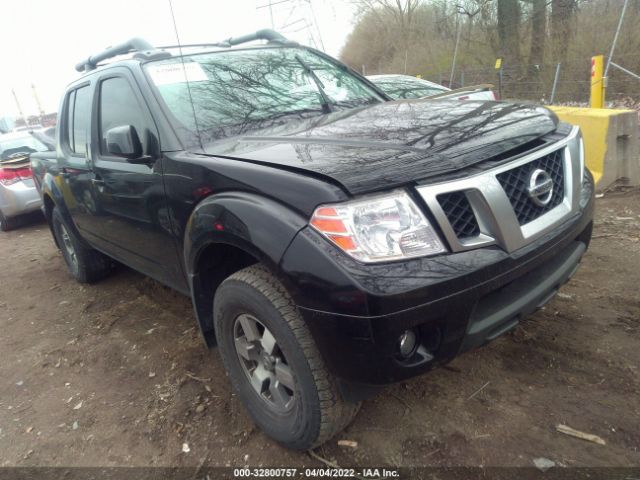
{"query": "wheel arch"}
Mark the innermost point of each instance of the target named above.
(53, 196)
(226, 233)
(48, 205)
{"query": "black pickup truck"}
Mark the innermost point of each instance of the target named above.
(332, 240)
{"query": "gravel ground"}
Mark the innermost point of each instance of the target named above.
(115, 374)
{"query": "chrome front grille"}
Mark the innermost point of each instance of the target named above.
(506, 206)
(515, 184)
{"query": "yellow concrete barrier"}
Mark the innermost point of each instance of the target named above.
(610, 142)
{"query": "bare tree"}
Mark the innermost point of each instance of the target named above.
(401, 12)
(538, 32)
(470, 9)
(509, 31)
(562, 12)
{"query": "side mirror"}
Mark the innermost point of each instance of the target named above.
(123, 141)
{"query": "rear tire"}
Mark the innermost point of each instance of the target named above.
(85, 264)
(300, 405)
(6, 224)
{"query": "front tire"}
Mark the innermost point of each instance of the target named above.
(274, 364)
(85, 264)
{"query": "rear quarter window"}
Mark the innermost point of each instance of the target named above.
(81, 115)
(71, 98)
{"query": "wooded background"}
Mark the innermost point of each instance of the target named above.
(531, 36)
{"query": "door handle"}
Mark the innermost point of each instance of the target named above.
(97, 182)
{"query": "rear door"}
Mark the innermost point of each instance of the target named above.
(75, 179)
(131, 216)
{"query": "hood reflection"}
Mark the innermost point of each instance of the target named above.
(393, 143)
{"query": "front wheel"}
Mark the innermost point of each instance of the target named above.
(274, 364)
(84, 263)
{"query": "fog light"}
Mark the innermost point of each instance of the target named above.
(407, 343)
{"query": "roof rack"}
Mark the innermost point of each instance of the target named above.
(146, 51)
(265, 34)
(133, 45)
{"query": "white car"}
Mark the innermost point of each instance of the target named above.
(401, 87)
(18, 194)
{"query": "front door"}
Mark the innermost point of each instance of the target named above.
(131, 219)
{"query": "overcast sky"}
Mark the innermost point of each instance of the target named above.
(42, 40)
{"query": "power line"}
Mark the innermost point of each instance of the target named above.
(315, 22)
(270, 4)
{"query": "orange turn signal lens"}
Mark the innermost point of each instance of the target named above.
(329, 225)
(326, 212)
(344, 242)
(328, 221)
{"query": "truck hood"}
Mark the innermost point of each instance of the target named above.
(392, 143)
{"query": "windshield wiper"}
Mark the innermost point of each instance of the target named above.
(326, 101)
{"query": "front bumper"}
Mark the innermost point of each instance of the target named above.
(18, 198)
(455, 302)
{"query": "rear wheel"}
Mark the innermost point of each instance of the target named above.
(84, 263)
(6, 224)
(274, 364)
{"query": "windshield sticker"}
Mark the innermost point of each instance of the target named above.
(175, 73)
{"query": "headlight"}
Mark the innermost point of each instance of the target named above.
(378, 229)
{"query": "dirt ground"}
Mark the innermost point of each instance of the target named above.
(115, 374)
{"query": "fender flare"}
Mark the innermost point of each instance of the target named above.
(259, 226)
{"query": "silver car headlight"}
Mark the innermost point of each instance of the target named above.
(378, 229)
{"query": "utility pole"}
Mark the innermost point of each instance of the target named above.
(35, 96)
(315, 22)
(270, 7)
(15, 97)
(455, 50)
(273, 25)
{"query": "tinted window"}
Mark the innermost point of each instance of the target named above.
(230, 93)
(81, 114)
(119, 106)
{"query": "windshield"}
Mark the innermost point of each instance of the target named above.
(398, 88)
(20, 145)
(236, 92)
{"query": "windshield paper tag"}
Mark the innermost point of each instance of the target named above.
(175, 73)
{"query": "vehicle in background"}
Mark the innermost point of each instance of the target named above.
(27, 128)
(47, 136)
(401, 87)
(18, 194)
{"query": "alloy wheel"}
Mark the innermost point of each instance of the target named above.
(68, 245)
(264, 362)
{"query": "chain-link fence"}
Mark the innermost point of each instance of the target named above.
(567, 82)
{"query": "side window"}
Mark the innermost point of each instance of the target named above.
(81, 113)
(69, 119)
(119, 106)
